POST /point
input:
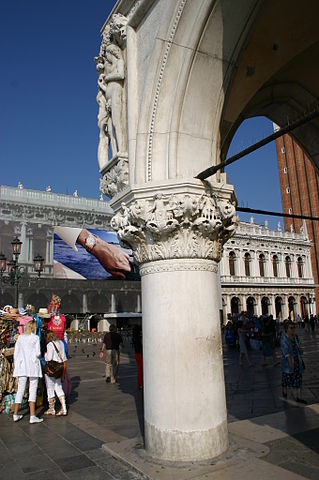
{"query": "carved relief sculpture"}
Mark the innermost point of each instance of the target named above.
(110, 67)
(176, 226)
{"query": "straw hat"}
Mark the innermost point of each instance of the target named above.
(12, 314)
(43, 313)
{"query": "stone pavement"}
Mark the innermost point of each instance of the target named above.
(101, 437)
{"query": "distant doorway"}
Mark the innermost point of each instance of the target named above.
(235, 305)
(250, 306)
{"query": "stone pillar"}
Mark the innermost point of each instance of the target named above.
(113, 303)
(20, 300)
(177, 240)
(258, 305)
(284, 307)
(74, 324)
(138, 306)
(84, 303)
(273, 305)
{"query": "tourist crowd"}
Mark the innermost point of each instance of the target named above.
(264, 333)
(33, 357)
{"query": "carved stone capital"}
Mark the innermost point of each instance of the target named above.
(115, 176)
(176, 226)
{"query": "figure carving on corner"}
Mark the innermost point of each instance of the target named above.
(111, 99)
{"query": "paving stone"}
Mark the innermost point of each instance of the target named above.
(91, 473)
(69, 464)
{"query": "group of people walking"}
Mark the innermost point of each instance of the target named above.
(264, 334)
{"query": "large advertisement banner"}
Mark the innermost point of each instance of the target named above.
(72, 260)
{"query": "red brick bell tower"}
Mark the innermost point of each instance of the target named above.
(299, 184)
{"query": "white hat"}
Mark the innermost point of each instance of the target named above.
(43, 313)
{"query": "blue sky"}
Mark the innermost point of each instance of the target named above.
(48, 109)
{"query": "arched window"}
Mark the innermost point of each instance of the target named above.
(265, 305)
(275, 263)
(262, 265)
(300, 267)
(247, 260)
(232, 261)
(250, 305)
(288, 266)
(235, 304)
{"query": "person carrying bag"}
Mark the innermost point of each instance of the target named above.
(54, 373)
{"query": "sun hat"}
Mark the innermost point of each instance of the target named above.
(11, 314)
(43, 313)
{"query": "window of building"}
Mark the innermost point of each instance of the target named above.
(285, 169)
(275, 263)
(300, 267)
(287, 189)
(232, 261)
(283, 150)
(262, 265)
(290, 210)
(288, 266)
(247, 260)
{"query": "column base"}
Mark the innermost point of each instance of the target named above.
(186, 446)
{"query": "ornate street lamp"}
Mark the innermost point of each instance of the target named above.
(13, 275)
(38, 263)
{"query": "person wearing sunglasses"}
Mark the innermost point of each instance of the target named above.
(292, 364)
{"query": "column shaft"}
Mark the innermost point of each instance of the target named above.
(184, 395)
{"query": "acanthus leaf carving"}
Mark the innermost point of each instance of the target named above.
(176, 226)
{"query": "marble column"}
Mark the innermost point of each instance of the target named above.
(113, 303)
(84, 303)
(177, 240)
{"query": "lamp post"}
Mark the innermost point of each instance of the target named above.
(14, 269)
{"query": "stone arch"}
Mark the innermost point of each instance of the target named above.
(303, 306)
(99, 303)
(250, 305)
(278, 307)
(38, 300)
(70, 303)
(235, 305)
(265, 305)
(6, 298)
(292, 307)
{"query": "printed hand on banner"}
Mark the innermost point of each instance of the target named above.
(111, 257)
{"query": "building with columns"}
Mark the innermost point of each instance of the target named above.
(265, 271)
(261, 270)
(31, 215)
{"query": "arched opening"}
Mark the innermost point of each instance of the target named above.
(70, 304)
(99, 303)
(235, 305)
(262, 265)
(303, 307)
(291, 308)
(232, 263)
(275, 263)
(300, 267)
(38, 300)
(250, 306)
(265, 306)
(278, 307)
(247, 260)
(288, 266)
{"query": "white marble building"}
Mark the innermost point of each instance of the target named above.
(267, 272)
(253, 269)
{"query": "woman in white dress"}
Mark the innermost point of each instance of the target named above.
(54, 385)
(27, 364)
